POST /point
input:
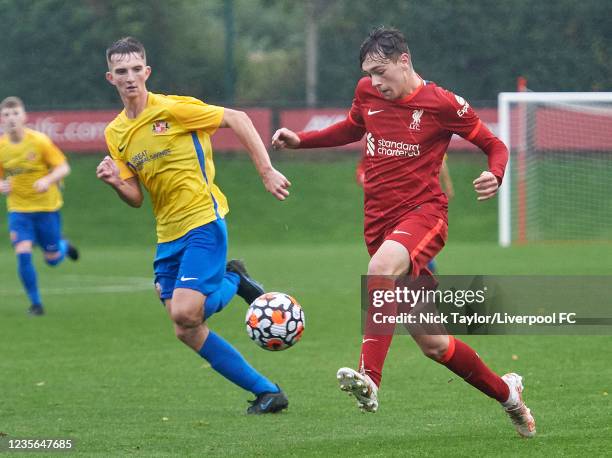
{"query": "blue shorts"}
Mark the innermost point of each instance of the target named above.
(194, 261)
(41, 228)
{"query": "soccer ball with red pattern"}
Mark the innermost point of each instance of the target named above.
(275, 321)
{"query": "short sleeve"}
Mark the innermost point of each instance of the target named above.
(355, 115)
(124, 171)
(51, 154)
(193, 114)
(456, 115)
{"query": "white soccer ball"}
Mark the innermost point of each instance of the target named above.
(275, 321)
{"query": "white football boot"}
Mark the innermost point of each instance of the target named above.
(519, 413)
(361, 387)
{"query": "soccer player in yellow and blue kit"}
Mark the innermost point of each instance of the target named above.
(31, 170)
(163, 143)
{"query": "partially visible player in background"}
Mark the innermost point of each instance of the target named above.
(445, 181)
(163, 142)
(408, 123)
(31, 170)
(447, 186)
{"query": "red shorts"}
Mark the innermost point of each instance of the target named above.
(423, 233)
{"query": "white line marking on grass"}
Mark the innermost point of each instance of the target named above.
(77, 284)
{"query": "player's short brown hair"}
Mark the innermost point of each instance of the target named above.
(385, 43)
(126, 45)
(12, 102)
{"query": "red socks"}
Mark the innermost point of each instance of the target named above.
(373, 353)
(377, 337)
(465, 362)
(459, 358)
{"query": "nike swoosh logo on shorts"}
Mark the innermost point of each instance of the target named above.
(402, 232)
(373, 112)
(183, 278)
(368, 340)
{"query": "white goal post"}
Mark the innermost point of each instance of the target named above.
(558, 182)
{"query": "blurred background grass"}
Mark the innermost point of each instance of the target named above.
(325, 206)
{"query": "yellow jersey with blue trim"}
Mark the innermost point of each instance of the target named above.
(167, 147)
(22, 164)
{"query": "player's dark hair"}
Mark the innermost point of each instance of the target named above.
(126, 45)
(383, 43)
(12, 102)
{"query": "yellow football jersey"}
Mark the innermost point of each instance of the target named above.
(23, 164)
(168, 148)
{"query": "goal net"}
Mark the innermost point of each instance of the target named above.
(558, 183)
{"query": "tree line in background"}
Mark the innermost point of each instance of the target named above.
(53, 50)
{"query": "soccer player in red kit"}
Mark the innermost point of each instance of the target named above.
(408, 123)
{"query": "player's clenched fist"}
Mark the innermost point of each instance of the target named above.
(42, 185)
(486, 185)
(107, 170)
(285, 138)
(276, 183)
(5, 187)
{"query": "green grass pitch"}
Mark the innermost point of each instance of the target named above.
(103, 367)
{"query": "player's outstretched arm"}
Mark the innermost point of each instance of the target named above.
(274, 181)
(285, 138)
(341, 133)
(57, 174)
(128, 190)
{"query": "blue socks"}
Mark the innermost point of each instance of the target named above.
(226, 360)
(27, 274)
(217, 301)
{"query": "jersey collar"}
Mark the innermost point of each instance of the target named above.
(150, 96)
(414, 93)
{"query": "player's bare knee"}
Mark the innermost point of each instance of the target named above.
(185, 312)
(23, 247)
(185, 317)
(384, 265)
(379, 266)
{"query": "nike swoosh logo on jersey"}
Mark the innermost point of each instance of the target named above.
(121, 148)
(373, 112)
(402, 232)
(183, 278)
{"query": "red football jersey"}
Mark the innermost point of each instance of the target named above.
(406, 142)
